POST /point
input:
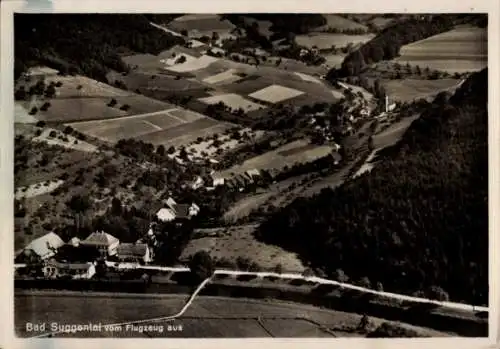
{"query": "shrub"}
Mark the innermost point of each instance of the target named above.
(68, 130)
(52, 134)
(33, 111)
(112, 103)
(245, 277)
(125, 107)
(40, 123)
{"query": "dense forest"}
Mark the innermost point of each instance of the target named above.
(88, 44)
(418, 223)
(386, 45)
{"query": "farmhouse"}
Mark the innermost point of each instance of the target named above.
(175, 211)
(54, 269)
(105, 243)
(134, 252)
(45, 246)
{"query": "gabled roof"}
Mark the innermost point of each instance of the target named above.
(43, 245)
(165, 214)
(100, 238)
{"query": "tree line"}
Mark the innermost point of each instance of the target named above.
(88, 44)
(418, 223)
(386, 45)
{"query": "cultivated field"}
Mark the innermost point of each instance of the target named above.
(21, 114)
(238, 241)
(287, 155)
(410, 89)
(462, 49)
(172, 126)
(327, 40)
(198, 25)
(310, 78)
(334, 61)
(233, 101)
(206, 317)
(275, 94)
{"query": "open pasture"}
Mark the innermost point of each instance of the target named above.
(462, 49)
(81, 87)
(327, 40)
(21, 114)
(299, 151)
(234, 101)
(410, 89)
(334, 61)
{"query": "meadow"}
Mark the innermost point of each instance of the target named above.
(463, 49)
(411, 89)
(339, 22)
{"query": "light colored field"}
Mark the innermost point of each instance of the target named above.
(459, 50)
(410, 89)
(37, 189)
(70, 143)
(21, 114)
(239, 241)
(327, 40)
(196, 64)
(307, 77)
(233, 101)
(339, 22)
(275, 94)
(228, 76)
(276, 159)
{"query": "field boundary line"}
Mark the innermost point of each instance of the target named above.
(119, 118)
(161, 318)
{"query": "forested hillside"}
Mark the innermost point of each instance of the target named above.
(87, 44)
(418, 223)
(388, 42)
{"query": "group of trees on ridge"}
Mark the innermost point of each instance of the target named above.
(419, 221)
(386, 45)
(87, 44)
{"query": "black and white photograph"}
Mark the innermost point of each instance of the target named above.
(250, 175)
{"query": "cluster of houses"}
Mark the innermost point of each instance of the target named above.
(77, 259)
(237, 181)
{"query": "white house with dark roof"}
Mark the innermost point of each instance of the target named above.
(54, 269)
(104, 242)
(45, 246)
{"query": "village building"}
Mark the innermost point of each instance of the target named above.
(134, 252)
(44, 247)
(54, 270)
(105, 243)
(174, 211)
